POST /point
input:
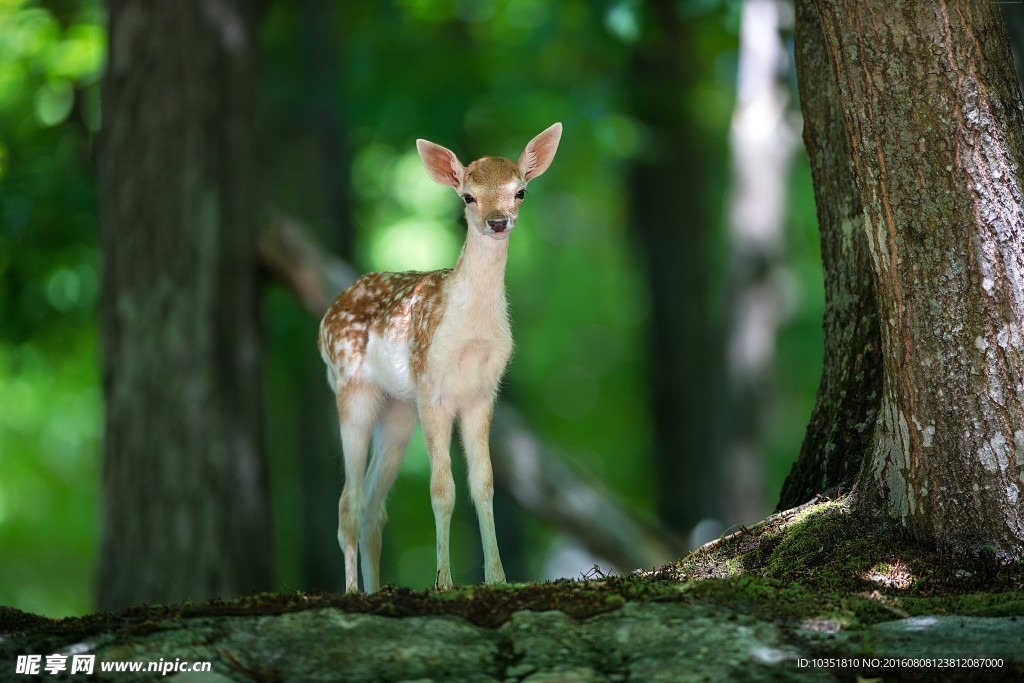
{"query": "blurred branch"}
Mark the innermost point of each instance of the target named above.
(314, 275)
(546, 485)
(538, 479)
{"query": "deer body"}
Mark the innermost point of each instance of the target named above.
(433, 347)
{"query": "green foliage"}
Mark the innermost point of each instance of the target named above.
(48, 476)
(50, 402)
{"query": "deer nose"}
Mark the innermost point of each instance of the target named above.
(497, 224)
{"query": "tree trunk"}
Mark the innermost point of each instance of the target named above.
(935, 125)
(320, 477)
(763, 142)
(673, 211)
(184, 487)
(842, 425)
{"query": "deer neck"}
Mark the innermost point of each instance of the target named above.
(478, 280)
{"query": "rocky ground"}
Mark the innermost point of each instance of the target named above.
(789, 599)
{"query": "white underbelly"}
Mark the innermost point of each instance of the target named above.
(389, 366)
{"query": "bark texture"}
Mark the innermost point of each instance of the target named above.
(840, 433)
(184, 488)
(935, 125)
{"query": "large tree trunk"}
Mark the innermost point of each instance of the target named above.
(841, 428)
(184, 489)
(935, 125)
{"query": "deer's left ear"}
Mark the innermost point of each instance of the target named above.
(538, 154)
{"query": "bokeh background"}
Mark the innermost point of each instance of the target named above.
(697, 97)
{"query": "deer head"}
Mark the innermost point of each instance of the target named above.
(493, 188)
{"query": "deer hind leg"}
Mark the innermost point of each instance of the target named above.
(391, 437)
(437, 431)
(357, 411)
(475, 429)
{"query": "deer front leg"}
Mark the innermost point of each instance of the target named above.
(437, 431)
(475, 427)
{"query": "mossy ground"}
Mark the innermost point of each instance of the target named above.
(820, 563)
(817, 566)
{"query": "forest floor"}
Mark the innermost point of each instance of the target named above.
(812, 593)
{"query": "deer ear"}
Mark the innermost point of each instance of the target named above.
(538, 154)
(442, 164)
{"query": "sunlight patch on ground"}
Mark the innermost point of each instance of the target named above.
(890, 575)
(821, 625)
(812, 510)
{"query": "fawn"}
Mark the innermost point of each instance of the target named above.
(434, 346)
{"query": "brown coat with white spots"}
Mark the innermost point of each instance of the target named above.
(401, 307)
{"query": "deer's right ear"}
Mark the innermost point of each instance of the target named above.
(442, 164)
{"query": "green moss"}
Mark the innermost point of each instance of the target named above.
(817, 511)
(821, 564)
(826, 547)
(615, 600)
(783, 546)
(1001, 604)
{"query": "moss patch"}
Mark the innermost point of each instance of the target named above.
(820, 564)
(825, 546)
(482, 605)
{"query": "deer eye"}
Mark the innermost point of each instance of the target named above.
(521, 194)
(468, 198)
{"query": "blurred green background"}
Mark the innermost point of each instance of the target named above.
(345, 90)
